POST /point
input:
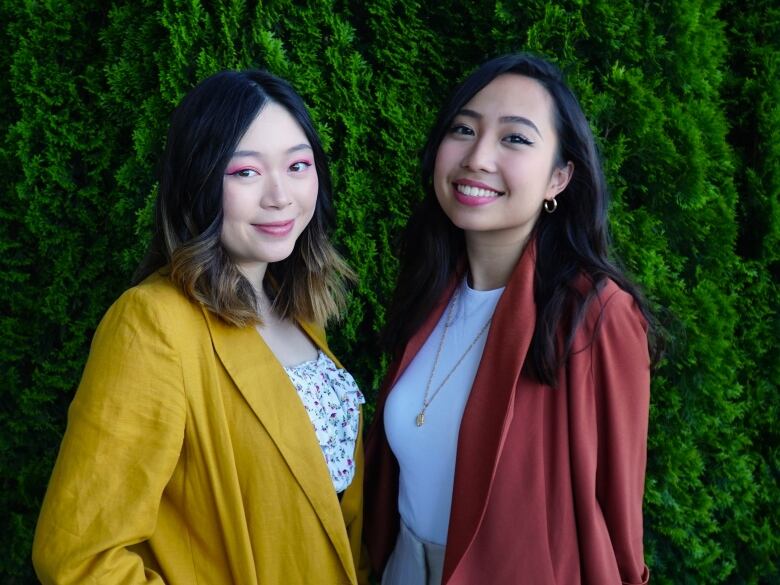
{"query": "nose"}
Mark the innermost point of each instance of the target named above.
(276, 195)
(480, 157)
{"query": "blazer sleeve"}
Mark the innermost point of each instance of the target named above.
(123, 439)
(621, 373)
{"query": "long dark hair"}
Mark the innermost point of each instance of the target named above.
(571, 243)
(204, 132)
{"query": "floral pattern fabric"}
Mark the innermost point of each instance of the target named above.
(332, 399)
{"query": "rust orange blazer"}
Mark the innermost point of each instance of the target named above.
(548, 482)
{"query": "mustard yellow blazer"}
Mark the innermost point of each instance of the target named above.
(190, 459)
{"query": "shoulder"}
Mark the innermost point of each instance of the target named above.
(611, 313)
(618, 304)
(156, 289)
(156, 304)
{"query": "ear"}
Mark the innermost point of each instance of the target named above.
(559, 179)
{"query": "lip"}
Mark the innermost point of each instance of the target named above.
(275, 228)
(477, 184)
(472, 201)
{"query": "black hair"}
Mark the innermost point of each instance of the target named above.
(571, 242)
(204, 133)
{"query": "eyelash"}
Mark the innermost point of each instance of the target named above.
(463, 130)
(237, 173)
(242, 172)
(520, 139)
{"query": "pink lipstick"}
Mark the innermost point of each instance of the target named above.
(275, 228)
(477, 184)
(474, 193)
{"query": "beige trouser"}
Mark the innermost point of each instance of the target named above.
(414, 561)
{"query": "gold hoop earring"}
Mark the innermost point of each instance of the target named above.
(550, 205)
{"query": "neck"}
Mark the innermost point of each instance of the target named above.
(255, 275)
(490, 262)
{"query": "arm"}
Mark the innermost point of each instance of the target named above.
(123, 439)
(621, 373)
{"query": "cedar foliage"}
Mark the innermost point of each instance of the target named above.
(682, 96)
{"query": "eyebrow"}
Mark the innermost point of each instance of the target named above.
(503, 119)
(257, 153)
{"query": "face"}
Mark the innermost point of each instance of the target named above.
(497, 163)
(269, 192)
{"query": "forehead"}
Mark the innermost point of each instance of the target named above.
(273, 127)
(512, 94)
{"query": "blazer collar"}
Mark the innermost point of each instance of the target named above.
(266, 387)
(490, 408)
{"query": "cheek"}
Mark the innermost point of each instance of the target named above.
(308, 197)
(228, 202)
(525, 172)
(311, 191)
(446, 158)
(230, 215)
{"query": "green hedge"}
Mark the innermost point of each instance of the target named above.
(683, 98)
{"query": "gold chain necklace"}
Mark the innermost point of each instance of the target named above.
(420, 420)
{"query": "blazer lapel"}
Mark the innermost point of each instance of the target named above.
(490, 408)
(267, 389)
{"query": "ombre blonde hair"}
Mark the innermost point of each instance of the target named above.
(205, 129)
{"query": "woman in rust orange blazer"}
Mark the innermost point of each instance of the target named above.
(509, 442)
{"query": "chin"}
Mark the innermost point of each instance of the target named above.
(468, 224)
(279, 256)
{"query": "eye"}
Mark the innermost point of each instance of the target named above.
(461, 130)
(517, 139)
(300, 166)
(244, 173)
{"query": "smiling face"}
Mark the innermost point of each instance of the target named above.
(497, 163)
(269, 192)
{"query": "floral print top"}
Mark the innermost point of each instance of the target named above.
(332, 400)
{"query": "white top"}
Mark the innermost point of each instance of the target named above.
(426, 454)
(332, 400)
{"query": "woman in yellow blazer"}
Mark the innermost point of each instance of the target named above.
(214, 438)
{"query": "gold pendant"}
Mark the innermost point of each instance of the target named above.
(420, 419)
